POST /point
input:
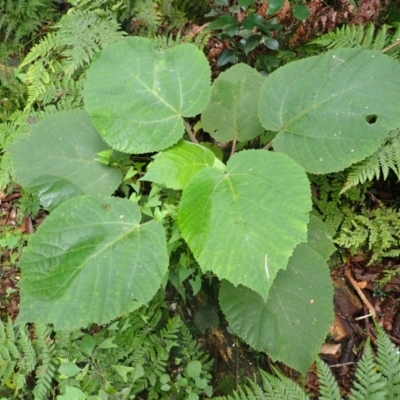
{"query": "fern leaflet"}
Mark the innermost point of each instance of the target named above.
(328, 387)
(369, 384)
(385, 159)
(353, 36)
(388, 361)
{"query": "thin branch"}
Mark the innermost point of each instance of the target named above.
(366, 302)
(392, 46)
(343, 364)
(188, 130)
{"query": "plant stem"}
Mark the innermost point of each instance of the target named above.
(268, 146)
(188, 129)
(233, 147)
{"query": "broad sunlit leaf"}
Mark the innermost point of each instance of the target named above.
(332, 110)
(137, 93)
(293, 323)
(90, 261)
(243, 224)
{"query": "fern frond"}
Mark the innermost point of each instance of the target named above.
(355, 36)
(364, 171)
(368, 36)
(21, 18)
(283, 387)
(369, 383)
(272, 388)
(146, 18)
(346, 36)
(41, 49)
(385, 159)
(28, 360)
(388, 361)
(328, 387)
(11, 340)
(380, 39)
(60, 58)
(255, 391)
(377, 231)
(48, 362)
(9, 354)
(376, 378)
(82, 34)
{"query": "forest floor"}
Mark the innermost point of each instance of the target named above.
(359, 295)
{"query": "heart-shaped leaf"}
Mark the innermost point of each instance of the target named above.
(137, 93)
(90, 261)
(332, 110)
(57, 161)
(292, 324)
(232, 112)
(244, 224)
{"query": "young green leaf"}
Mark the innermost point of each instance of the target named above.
(57, 161)
(137, 94)
(176, 166)
(224, 22)
(274, 6)
(301, 12)
(332, 110)
(90, 261)
(292, 324)
(244, 224)
(233, 107)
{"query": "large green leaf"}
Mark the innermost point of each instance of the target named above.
(334, 109)
(91, 261)
(293, 323)
(244, 224)
(137, 93)
(57, 161)
(176, 166)
(232, 112)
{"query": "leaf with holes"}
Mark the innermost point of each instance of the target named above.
(293, 323)
(57, 161)
(332, 110)
(232, 112)
(137, 93)
(243, 224)
(90, 261)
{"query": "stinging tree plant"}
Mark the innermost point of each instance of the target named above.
(247, 221)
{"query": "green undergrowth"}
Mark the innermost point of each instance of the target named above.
(377, 376)
(145, 353)
(358, 222)
(376, 232)
(148, 354)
